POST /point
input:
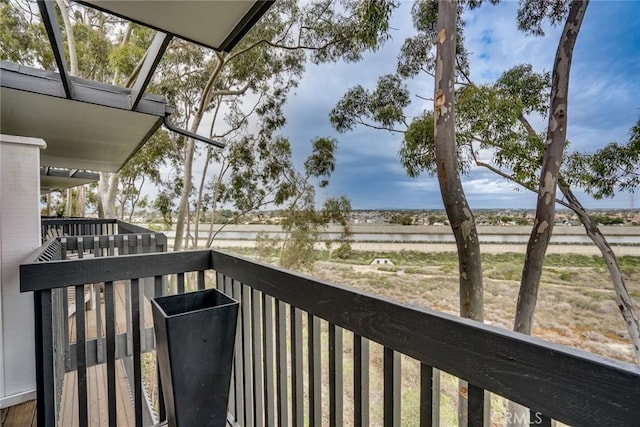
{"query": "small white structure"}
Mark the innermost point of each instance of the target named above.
(381, 261)
(19, 236)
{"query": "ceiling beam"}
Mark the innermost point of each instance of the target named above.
(50, 21)
(151, 60)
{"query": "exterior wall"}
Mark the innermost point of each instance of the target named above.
(19, 236)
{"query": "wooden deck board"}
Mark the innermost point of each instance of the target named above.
(20, 415)
(98, 400)
(97, 375)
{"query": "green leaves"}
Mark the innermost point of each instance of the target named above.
(336, 210)
(351, 107)
(416, 153)
(487, 117)
(418, 52)
(533, 13)
(385, 105)
(374, 17)
(614, 167)
(388, 100)
(530, 88)
(322, 161)
(417, 55)
(22, 38)
(344, 30)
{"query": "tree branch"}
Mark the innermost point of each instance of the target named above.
(230, 91)
(369, 125)
(285, 47)
(530, 130)
(508, 177)
(424, 98)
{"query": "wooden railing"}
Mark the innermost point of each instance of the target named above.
(281, 357)
(62, 227)
(67, 354)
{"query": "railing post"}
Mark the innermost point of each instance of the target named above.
(159, 290)
(137, 350)
(391, 393)
(297, 388)
(315, 370)
(281, 364)
(336, 386)
(45, 377)
(476, 406)
(109, 302)
(360, 381)
(81, 353)
(268, 364)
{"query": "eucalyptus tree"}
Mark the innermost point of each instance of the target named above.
(302, 222)
(143, 168)
(530, 19)
(267, 64)
(385, 107)
(338, 211)
(251, 81)
(494, 119)
(460, 215)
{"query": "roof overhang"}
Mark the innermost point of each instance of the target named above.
(217, 24)
(95, 126)
(96, 130)
(55, 179)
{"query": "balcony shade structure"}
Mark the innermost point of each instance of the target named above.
(92, 130)
(96, 126)
(217, 24)
(52, 179)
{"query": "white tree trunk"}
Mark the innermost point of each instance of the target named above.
(545, 209)
(107, 191)
(71, 40)
(68, 209)
(183, 207)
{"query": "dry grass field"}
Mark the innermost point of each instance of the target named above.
(576, 304)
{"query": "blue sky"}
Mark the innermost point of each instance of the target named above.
(604, 103)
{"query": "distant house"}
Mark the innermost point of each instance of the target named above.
(381, 261)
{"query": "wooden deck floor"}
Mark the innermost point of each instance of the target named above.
(22, 415)
(98, 402)
(97, 375)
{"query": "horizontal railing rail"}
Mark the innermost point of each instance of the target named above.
(127, 228)
(64, 227)
(278, 374)
(59, 227)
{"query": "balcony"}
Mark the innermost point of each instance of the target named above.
(307, 351)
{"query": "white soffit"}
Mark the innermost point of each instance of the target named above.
(59, 179)
(95, 131)
(218, 24)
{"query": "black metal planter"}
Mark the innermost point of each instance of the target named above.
(195, 337)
